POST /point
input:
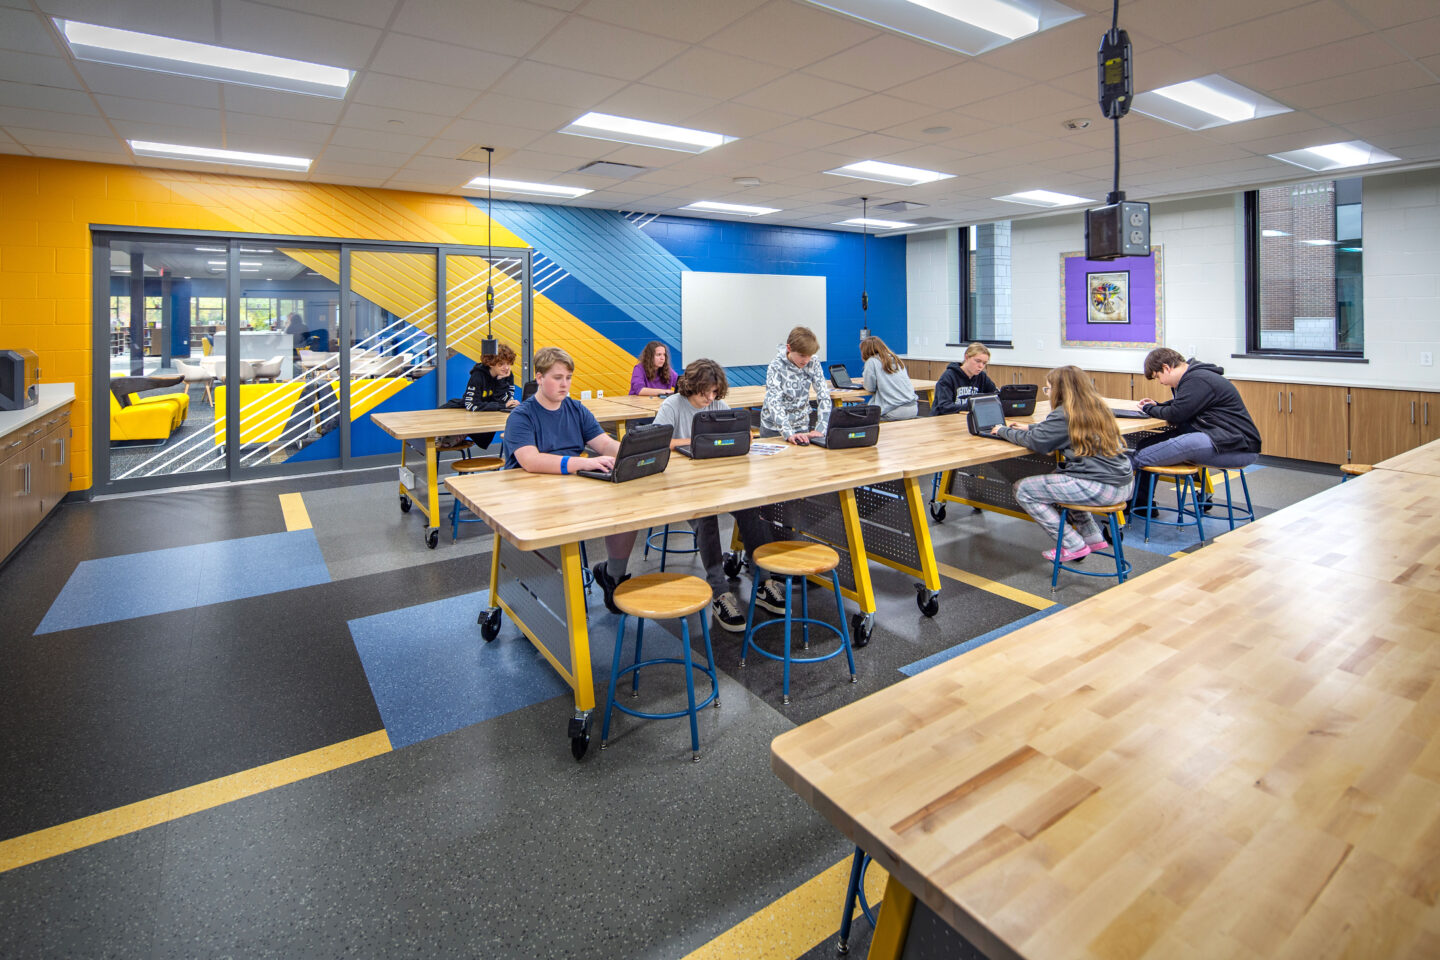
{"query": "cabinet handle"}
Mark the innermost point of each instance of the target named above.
(27, 479)
(1292, 402)
(64, 442)
(1280, 401)
(1426, 421)
(16, 444)
(1412, 411)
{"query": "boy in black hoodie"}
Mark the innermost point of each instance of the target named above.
(491, 387)
(961, 381)
(1217, 429)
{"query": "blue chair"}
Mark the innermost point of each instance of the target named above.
(664, 545)
(1349, 471)
(1232, 512)
(859, 863)
(1112, 515)
(800, 559)
(1183, 475)
(663, 596)
(468, 466)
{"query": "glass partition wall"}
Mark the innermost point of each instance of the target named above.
(324, 333)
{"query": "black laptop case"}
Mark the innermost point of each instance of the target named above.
(854, 426)
(1018, 399)
(718, 433)
(644, 451)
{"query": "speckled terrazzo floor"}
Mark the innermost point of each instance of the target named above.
(473, 837)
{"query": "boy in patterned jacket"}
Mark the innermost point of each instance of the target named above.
(786, 411)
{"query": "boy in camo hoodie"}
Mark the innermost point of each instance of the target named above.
(786, 411)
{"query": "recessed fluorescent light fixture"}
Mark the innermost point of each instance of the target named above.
(872, 222)
(889, 173)
(1209, 101)
(1335, 156)
(256, 250)
(179, 151)
(146, 51)
(1042, 198)
(970, 27)
(210, 249)
(1318, 243)
(244, 263)
(532, 189)
(1273, 233)
(605, 126)
(739, 209)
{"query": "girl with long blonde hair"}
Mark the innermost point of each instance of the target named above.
(1095, 470)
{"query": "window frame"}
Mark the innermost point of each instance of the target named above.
(966, 308)
(1252, 296)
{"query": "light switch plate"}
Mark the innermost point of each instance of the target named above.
(1426, 358)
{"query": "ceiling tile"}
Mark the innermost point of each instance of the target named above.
(802, 95)
(871, 146)
(1392, 13)
(1302, 28)
(710, 73)
(273, 103)
(1420, 98)
(874, 112)
(40, 137)
(885, 61)
(960, 125)
(182, 19)
(160, 132)
(809, 134)
(687, 20)
(371, 13)
(959, 85)
(286, 33)
(1168, 21)
(382, 120)
(49, 120)
(400, 143)
(1251, 131)
(790, 35)
(344, 153)
(35, 97)
(551, 84)
(656, 104)
(454, 172)
(1055, 53)
(485, 133)
(746, 153)
(525, 161)
(500, 26)
(1417, 39)
(519, 112)
(418, 59)
(604, 49)
(1319, 63)
(250, 127)
(1038, 100)
(148, 85)
(738, 120)
(150, 111)
(1366, 83)
(565, 145)
(43, 71)
(401, 93)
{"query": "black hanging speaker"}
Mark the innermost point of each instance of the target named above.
(1118, 230)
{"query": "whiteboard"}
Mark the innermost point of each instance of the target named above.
(740, 319)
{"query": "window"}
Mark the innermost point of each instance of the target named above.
(985, 294)
(1303, 261)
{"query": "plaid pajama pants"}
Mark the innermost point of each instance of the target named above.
(1039, 494)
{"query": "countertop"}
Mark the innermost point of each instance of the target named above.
(53, 396)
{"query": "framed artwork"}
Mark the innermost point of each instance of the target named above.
(1112, 303)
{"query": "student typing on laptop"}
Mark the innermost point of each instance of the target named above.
(964, 380)
(885, 377)
(549, 432)
(703, 387)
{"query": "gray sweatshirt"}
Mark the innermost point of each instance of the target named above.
(787, 396)
(894, 393)
(1053, 433)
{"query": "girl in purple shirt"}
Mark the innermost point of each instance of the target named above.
(652, 376)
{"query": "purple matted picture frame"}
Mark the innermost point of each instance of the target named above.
(1146, 307)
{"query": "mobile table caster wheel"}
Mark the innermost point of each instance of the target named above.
(733, 565)
(861, 625)
(404, 503)
(937, 511)
(490, 624)
(579, 736)
(929, 603)
(432, 539)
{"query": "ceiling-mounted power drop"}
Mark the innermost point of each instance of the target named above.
(1118, 229)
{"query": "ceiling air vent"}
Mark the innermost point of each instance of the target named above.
(615, 171)
(900, 206)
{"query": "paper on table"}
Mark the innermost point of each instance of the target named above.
(766, 449)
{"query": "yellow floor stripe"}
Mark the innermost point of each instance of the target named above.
(999, 589)
(53, 841)
(792, 925)
(296, 516)
(1178, 554)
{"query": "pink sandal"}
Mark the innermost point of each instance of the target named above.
(1067, 555)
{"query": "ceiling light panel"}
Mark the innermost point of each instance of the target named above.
(605, 126)
(530, 189)
(1209, 101)
(970, 27)
(1336, 156)
(889, 173)
(739, 209)
(185, 58)
(1043, 198)
(872, 222)
(179, 151)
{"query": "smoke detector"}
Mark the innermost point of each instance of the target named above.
(1079, 123)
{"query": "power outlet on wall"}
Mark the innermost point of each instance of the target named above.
(1190, 350)
(1039, 344)
(1426, 359)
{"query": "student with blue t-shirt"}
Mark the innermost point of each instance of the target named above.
(549, 433)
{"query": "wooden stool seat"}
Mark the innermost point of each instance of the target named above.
(796, 558)
(1356, 469)
(478, 464)
(662, 596)
(1092, 508)
(1175, 470)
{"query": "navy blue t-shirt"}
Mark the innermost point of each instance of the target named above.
(563, 432)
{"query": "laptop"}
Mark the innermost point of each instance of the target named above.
(643, 451)
(718, 433)
(1128, 413)
(840, 377)
(857, 426)
(986, 412)
(1018, 399)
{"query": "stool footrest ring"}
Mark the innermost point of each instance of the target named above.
(796, 622)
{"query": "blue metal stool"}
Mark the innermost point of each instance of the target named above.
(468, 466)
(855, 891)
(1349, 471)
(664, 545)
(1233, 513)
(1183, 475)
(1117, 544)
(663, 596)
(801, 559)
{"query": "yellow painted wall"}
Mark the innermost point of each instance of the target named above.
(48, 206)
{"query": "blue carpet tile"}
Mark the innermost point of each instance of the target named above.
(177, 578)
(935, 659)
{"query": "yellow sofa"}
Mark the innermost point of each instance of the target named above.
(144, 421)
(180, 402)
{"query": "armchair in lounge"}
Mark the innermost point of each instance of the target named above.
(141, 421)
(177, 403)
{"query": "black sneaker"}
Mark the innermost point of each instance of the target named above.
(728, 613)
(771, 597)
(607, 585)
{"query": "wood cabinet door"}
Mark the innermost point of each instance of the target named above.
(1265, 403)
(1429, 417)
(1035, 375)
(1316, 422)
(1115, 385)
(1384, 423)
(1001, 373)
(18, 512)
(55, 448)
